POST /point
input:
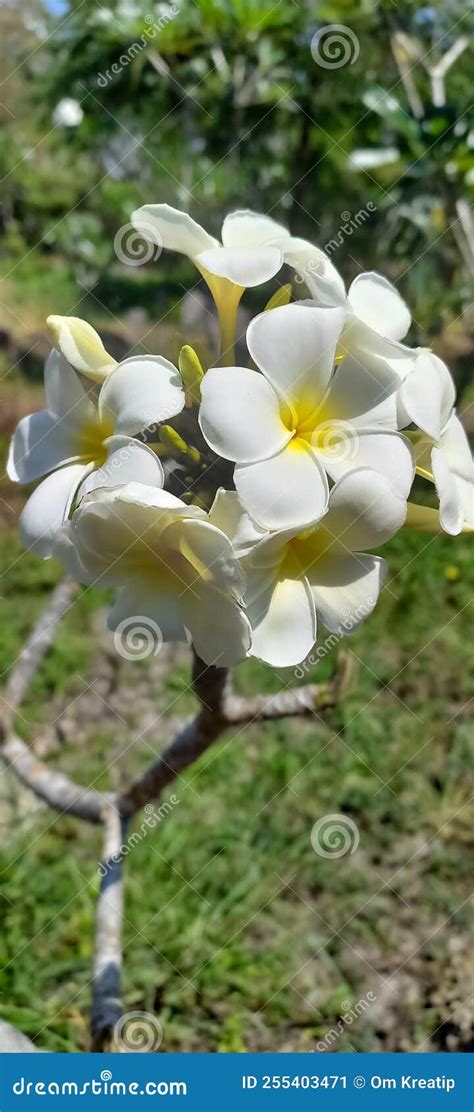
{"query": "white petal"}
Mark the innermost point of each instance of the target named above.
(142, 391)
(455, 445)
(48, 507)
(376, 302)
(428, 394)
(251, 229)
(377, 448)
(451, 509)
(288, 489)
(295, 348)
(466, 495)
(81, 346)
(376, 353)
(145, 617)
(316, 271)
(65, 395)
(346, 589)
(246, 266)
(364, 511)
(228, 514)
(168, 227)
(283, 621)
(359, 395)
(219, 628)
(240, 415)
(64, 550)
(40, 443)
(210, 557)
(128, 461)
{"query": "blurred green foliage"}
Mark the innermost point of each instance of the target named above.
(215, 104)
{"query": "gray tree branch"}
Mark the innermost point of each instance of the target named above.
(106, 997)
(219, 708)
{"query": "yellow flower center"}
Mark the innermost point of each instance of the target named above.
(91, 439)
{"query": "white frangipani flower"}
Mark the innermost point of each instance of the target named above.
(169, 562)
(80, 445)
(252, 249)
(300, 421)
(297, 578)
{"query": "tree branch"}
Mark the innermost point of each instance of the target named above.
(209, 686)
(219, 710)
(37, 645)
(53, 788)
(301, 701)
(106, 999)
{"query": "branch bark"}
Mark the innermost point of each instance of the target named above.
(106, 997)
(209, 686)
(53, 788)
(219, 710)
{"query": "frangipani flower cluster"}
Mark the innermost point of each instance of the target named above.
(238, 506)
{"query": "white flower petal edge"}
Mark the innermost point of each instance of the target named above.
(137, 537)
(169, 227)
(45, 440)
(48, 507)
(453, 474)
(240, 415)
(291, 488)
(143, 390)
(376, 302)
(428, 394)
(285, 571)
(127, 461)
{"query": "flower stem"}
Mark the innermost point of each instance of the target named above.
(227, 296)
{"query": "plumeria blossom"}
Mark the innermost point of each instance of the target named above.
(301, 421)
(170, 563)
(298, 578)
(80, 445)
(309, 435)
(252, 250)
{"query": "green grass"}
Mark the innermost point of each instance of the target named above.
(236, 932)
